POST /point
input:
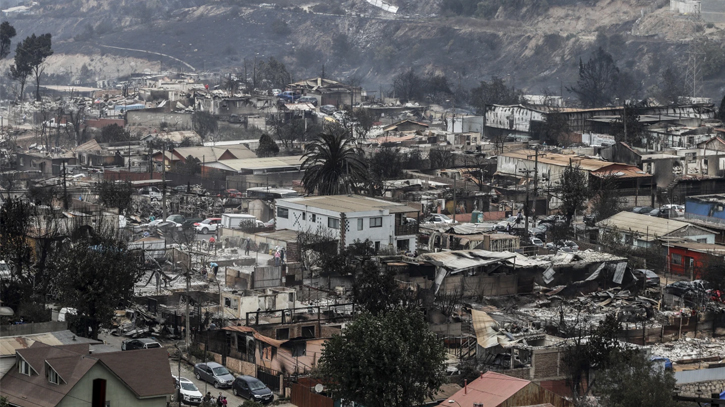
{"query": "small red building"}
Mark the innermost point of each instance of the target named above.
(686, 257)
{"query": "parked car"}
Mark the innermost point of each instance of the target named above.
(140, 343)
(276, 92)
(289, 96)
(190, 394)
(191, 222)
(213, 373)
(233, 193)
(537, 242)
(308, 99)
(654, 212)
(152, 193)
(208, 225)
(328, 109)
(182, 189)
(179, 219)
(438, 218)
(553, 219)
(252, 389)
(651, 278)
(642, 209)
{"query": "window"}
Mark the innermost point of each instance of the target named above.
(304, 215)
(313, 218)
(292, 297)
(24, 367)
(308, 331)
(360, 224)
(299, 349)
(52, 375)
(283, 333)
(376, 222)
(283, 213)
(377, 246)
(676, 259)
(333, 223)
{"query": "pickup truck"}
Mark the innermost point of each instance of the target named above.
(289, 96)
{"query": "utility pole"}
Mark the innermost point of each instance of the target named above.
(163, 181)
(454, 200)
(526, 204)
(65, 187)
(188, 288)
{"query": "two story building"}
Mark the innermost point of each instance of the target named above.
(351, 218)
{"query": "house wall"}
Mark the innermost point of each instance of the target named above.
(512, 118)
(511, 166)
(177, 121)
(533, 394)
(117, 394)
(383, 235)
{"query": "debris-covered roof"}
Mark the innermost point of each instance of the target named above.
(647, 227)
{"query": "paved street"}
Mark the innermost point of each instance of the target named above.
(187, 371)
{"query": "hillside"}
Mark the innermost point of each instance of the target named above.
(533, 44)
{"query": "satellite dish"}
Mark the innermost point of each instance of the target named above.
(319, 388)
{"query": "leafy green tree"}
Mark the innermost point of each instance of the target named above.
(273, 73)
(204, 123)
(96, 274)
(115, 194)
(392, 360)
(597, 81)
(190, 166)
(267, 147)
(376, 291)
(333, 165)
(572, 190)
(384, 164)
(42, 195)
(7, 32)
(33, 51)
(631, 380)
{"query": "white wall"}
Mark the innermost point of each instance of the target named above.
(512, 118)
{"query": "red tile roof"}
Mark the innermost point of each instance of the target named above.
(491, 389)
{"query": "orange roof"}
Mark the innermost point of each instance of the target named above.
(491, 389)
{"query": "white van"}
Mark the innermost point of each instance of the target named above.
(240, 220)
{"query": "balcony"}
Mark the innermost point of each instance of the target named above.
(406, 229)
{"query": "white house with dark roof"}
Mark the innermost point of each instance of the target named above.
(351, 218)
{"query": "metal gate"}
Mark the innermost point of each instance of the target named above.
(270, 378)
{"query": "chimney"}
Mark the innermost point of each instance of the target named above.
(465, 386)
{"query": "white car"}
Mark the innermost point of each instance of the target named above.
(276, 92)
(208, 225)
(537, 242)
(190, 394)
(439, 218)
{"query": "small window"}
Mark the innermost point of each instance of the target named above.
(333, 223)
(304, 215)
(53, 376)
(308, 331)
(283, 333)
(283, 213)
(292, 297)
(24, 367)
(376, 222)
(377, 246)
(313, 218)
(299, 349)
(676, 259)
(360, 224)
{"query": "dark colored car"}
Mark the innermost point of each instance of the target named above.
(141, 343)
(644, 210)
(651, 278)
(252, 389)
(328, 109)
(213, 373)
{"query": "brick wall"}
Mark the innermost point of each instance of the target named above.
(546, 364)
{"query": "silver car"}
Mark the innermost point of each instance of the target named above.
(214, 373)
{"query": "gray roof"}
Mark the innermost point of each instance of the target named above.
(647, 227)
(349, 203)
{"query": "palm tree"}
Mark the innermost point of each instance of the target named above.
(332, 165)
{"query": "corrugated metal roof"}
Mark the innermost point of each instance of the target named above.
(491, 390)
(650, 227)
(700, 375)
(562, 160)
(349, 203)
(486, 335)
(263, 163)
(459, 260)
